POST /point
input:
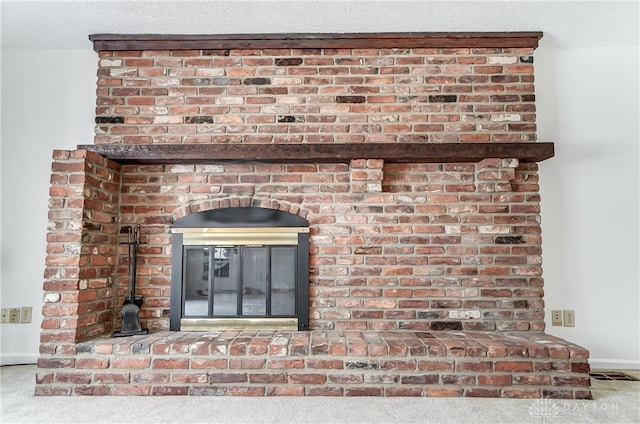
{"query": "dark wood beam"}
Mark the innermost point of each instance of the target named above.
(315, 41)
(319, 153)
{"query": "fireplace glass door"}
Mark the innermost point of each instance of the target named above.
(240, 268)
(239, 281)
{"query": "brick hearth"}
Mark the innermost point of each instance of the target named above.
(425, 272)
(323, 363)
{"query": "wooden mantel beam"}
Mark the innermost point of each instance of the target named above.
(384, 40)
(320, 153)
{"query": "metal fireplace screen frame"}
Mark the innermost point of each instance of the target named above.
(231, 235)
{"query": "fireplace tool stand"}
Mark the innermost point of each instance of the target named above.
(130, 312)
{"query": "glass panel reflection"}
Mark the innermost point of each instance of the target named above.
(225, 281)
(239, 281)
(283, 281)
(254, 284)
(196, 281)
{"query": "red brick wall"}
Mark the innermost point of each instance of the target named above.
(81, 249)
(315, 96)
(394, 246)
(448, 249)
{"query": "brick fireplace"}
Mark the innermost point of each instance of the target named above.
(413, 158)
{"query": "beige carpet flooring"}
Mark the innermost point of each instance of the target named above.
(614, 402)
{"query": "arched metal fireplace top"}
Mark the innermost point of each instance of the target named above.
(241, 217)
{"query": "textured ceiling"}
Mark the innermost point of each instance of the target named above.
(66, 24)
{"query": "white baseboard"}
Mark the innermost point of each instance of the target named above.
(17, 359)
(614, 364)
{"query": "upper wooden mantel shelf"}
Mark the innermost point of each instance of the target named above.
(320, 153)
(382, 40)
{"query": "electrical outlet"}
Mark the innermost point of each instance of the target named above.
(14, 315)
(556, 318)
(5, 315)
(569, 318)
(25, 314)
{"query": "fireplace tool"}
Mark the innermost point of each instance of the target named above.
(130, 312)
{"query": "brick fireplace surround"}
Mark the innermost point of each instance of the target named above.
(413, 156)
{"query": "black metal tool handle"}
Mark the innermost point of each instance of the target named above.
(134, 241)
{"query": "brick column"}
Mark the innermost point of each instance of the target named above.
(366, 175)
(81, 250)
(494, 175)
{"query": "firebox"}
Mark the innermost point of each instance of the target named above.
(240, 268)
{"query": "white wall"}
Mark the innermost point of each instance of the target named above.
(588, 104)
(587, 99)
(48, 102)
